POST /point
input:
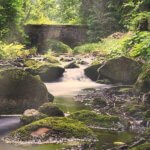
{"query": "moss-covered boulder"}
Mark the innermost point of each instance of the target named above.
(19, 90)
(51, 110)
(64, 59)
(50, 59)
(92, 72)
(72, 65)
(122, 69)
(92, 119)
(48, 72)
(31, 115)
(31, 63)
(50, 130)
(143, 82)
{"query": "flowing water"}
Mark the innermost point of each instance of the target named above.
(72, 82)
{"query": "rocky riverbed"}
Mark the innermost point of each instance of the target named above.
(113, 110)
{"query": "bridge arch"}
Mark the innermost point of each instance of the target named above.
(72, 35)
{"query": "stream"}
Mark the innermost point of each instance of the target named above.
(72, 82)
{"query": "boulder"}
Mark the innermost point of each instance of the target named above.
(47, 72)
(50, 97)
(66, 59)
(31, 115)
(143, 82)
(51, 130)
(72, 65)
(51, 59)
(31, 112)
(121, 70)
(92, 72)
(20, 90)
(51, 110)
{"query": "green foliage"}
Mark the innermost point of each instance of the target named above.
(139, 45)
(13, 51)
(54, 46)
(29, 119)
(133, 44)
(101, 16)
(31, 63)
(52, 12)
(92, 119)
(50, 59)
(140, 22)
(11, 14)
(86, 48)
(144, 146)
(134, 12)
(60, 127)
(110, 46)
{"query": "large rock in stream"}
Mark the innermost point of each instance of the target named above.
(143, 81)
(47, 72)
(51, 130)
(19, 90)
(92, 72)
(122, 69)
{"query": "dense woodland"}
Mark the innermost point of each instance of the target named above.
(103, 17)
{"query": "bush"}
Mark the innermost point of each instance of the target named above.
(139, 45)
(133, 44)
(14, 50)
(29, 119)
(86, 48)
(140, 21)
(55, 46)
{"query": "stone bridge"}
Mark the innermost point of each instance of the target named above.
(71, 35)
